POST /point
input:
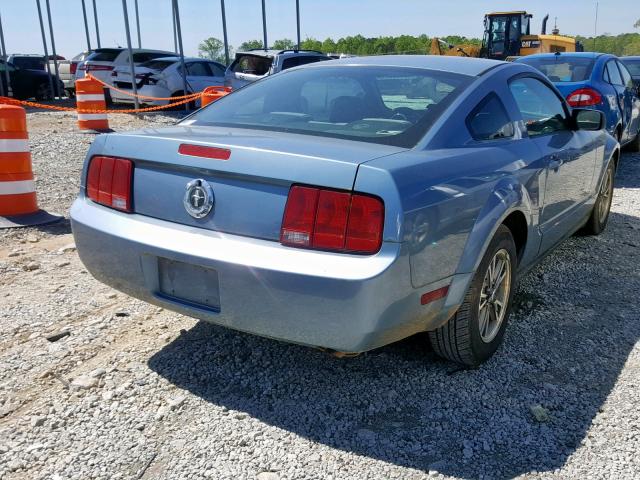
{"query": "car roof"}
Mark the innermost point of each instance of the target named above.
(630, 57)
(568, 54)
(271, 52)
(461, 65)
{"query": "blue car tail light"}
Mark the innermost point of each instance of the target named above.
(584, 97)
(109, 181)
(340, 221)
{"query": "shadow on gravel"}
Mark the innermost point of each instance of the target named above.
(61, 227)
(575, 324)
(628, 175)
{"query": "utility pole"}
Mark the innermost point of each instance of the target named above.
(95, 19)
(138, 24)
(595, 31)
(86, 24)
(224, 32)
(53, 50)
(46, 51)
(176, 14)
(298, 21)
(131, 65)
(264, 27)
(4, 59)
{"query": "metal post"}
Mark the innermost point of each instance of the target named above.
(298, 21)
(175, 33)
(95, 19)
(46, 51)
(176, 14)
(131, 65)
(264, 27)
(224, 32)
(4, 59)
(53, 51)
(86, 24)
(138, 24)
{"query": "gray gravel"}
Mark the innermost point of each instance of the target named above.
(94, 384)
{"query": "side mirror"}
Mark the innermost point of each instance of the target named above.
(588, 119)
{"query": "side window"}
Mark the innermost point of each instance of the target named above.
(198, 69)
(542, 111)
(626, 76)
(216, 70)
(489, 120)
(290, 62)
(613, 73)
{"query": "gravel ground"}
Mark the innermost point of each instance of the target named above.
(131, 391)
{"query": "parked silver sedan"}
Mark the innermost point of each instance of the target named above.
(352, 203)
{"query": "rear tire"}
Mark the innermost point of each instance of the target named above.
(177, 108)
(476, 331)
(43, 92)
(600, 214)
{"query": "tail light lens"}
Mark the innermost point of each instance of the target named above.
(73, 68)
(109, 181)
(333, 220)
(98, 68)
(584, 97)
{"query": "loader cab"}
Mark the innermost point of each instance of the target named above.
(503, 32)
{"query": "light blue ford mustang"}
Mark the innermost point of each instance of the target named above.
(349, 204)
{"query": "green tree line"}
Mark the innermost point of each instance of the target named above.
(624, 44)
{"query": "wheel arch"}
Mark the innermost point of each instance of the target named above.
(511, 205)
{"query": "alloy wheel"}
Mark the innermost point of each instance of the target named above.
(494, 295)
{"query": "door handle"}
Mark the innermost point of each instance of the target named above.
(555, 162)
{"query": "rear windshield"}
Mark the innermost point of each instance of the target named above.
(158, 64)
(29, 63)
(104, 55)
(387, 105)
(633, 66)
(251, 64)
(561, 68)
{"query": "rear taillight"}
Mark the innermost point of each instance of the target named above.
(332, 220)
(73, 68)
(584, 97)
(109, 182)
(99, 68)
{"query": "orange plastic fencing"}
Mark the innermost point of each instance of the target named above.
(90, 96)
(17, 188)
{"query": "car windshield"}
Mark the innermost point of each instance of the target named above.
(29, 63)
(104, 55)
(387, 105)
(560, 68)
(251, 64)
(633, 66)
(157, 64)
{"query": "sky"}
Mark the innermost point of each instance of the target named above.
(319, 19)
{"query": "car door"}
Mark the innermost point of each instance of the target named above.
(197, 75)
(614, 78)
(631, 101)
(216, 74)
(569, 156)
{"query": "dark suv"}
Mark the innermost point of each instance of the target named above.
(27, 83)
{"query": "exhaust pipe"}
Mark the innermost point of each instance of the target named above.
(544, 24)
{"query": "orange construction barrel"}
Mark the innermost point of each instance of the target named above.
(18, 203)
(90, 96)
(211, 94)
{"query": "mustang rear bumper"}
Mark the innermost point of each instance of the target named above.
(342, 302)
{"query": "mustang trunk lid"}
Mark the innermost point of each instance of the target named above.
(250, 188)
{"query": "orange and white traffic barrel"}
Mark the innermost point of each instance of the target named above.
(90, 96)
(211, 94)
(18, 202)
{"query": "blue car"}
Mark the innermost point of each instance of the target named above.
(349, 204)
(596, 80)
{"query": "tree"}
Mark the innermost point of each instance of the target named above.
(637, 24)
(249, 45)
(213, 49)
(284, 44)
